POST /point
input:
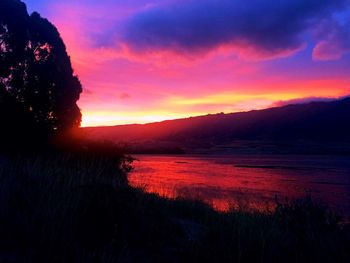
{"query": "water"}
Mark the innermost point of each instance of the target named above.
(250, 181)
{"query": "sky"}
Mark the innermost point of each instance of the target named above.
(143, 61)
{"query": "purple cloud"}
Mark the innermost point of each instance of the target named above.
(264, 27)
(334, 40)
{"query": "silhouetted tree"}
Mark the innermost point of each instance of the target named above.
(38, 89)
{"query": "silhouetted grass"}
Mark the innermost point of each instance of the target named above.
(57, 207)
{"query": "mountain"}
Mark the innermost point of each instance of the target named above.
(316, 123)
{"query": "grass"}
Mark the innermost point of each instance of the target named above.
(57, 207)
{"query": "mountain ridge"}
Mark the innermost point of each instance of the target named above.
(314, 121)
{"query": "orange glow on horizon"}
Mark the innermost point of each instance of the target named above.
(181, 107)
(95, 119)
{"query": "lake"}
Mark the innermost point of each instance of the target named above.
(247, 181)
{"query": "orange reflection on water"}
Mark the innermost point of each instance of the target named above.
(246, 182)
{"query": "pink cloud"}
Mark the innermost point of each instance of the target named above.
(330, 49)
(334, 40)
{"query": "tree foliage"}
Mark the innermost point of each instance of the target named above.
(38, 88)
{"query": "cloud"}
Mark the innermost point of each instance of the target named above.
(334, 41)
(254, 29)
(87, 91)
(304, 101)
(124, 96)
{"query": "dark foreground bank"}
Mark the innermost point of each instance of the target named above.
(79, 208)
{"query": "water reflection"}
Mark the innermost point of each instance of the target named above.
(246, 181)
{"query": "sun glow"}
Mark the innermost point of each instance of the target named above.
(176, 107)
(94, 119)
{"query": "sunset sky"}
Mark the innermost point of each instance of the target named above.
(141, 60)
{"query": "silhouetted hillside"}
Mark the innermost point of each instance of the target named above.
(319, 122)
